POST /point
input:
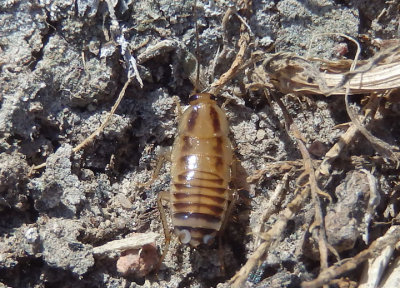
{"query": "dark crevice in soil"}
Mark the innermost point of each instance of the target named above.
(25, 274)
(38, 55)
(12, 218)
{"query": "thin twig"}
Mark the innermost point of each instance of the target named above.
(381, 146)
(391, 237)
(276, 230)
(294, 74)
(101, 128)
(92, 136)
(347, 137)
(270, 207)
(239, 59)
(315, 190)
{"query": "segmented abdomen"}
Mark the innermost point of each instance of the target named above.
(201, 160)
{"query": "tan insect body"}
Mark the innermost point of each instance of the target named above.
(201, 171)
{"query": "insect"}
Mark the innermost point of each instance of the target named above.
(200, 197)
(201, 159)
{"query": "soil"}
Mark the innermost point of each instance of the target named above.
(63, 64)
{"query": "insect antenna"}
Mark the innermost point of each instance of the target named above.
(196, 84)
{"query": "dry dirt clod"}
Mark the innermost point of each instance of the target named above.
(344, 219)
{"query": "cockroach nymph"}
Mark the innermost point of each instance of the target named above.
(200, 171)
(200, 196)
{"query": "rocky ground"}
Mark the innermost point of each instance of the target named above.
(63, 64)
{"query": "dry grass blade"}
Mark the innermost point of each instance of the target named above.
(392, 277)
(237, 63)
(276, 230)
(137, 241)
(309, 170)
(391, 237)
(160, 48)
(348, 136)
(291, 73)
(380, 146)
(239, 60)
(270, 207)
(275, 169)
(289, 212)
(337, 148)
(374, 200)
(92, 136)
(103, 125)
(374, 269)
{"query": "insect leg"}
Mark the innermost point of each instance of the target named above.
(164, 195)
(178, 107)
(164, 156)
(233, 197)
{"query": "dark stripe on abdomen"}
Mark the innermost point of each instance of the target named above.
(217, 210)
(188, 186)
(215, 119)
(183, 177)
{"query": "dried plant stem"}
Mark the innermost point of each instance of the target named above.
(239, 59)
(347, 137)
(136, 241)
(103, 125)
(273, 234)
(92, 136)
(309, 170)
(289, 212)
(270, 207)
(391, 237)
(291, 74)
